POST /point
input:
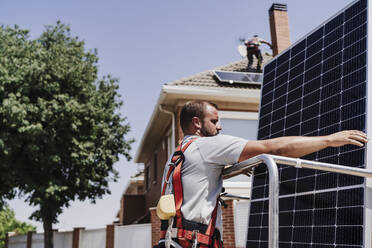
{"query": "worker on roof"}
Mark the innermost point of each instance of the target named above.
(193, 174)
(253, 48)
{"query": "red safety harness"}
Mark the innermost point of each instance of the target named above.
(184, 236)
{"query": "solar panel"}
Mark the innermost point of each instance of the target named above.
(318, 86)
(239, 77)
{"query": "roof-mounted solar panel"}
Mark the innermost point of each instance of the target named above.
(239, 77)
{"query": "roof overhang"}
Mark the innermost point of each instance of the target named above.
(172, 96)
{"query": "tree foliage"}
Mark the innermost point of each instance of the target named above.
(60, 129)
(8, 223)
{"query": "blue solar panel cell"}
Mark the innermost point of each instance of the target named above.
(350, 216)
(324, 217)
(354, 64)
(256, 207)
(355, 22)
(286, 204)
(336, 34)
(349, 235)
(285, 233)
(332, 75)
(332, 62)
(302, 234)
(325, 200)
(333, 24)
(326, 181)
(332, 49)
(331, 89)
(354, 78)
(270, 77)
(283, 58)
(313, 60)
(255, 220)
(282, 69)
(297, 59)
(314, 48)
(293, 95)
(324, 235)
(287, 187)
(305, 184)
(286, 219)
(314, 37)
(299, 47)
(355, 49)
(270, 66)
(353, 158)
(345, 180)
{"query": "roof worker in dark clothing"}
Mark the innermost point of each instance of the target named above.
(193, 175)
(253, 48)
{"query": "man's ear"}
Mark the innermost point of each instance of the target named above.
(196, 122)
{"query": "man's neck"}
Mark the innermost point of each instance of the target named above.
(197, 133)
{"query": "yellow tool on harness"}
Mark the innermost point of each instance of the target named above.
(166, 207)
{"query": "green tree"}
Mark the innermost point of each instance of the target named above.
(8, 223)
(60, 129)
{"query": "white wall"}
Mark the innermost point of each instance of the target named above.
(94, 238)
(18, 241)
(37, 240)
(62, 239)
(138, 236)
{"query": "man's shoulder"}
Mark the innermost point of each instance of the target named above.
(218, 138)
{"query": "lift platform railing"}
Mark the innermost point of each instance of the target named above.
(271, 162)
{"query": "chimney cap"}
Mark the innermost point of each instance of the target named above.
(278, 6)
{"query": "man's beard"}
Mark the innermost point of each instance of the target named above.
(206, 133)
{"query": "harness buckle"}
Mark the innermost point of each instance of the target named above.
(195, 238)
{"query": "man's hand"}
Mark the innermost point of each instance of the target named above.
(349, 137)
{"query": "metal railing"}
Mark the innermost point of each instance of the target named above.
(271, 163)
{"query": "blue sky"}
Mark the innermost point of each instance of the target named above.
(146, 44)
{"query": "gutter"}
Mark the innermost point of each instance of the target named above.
(173, 126)
(237, 94)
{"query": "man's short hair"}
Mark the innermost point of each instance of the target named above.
(193, 109)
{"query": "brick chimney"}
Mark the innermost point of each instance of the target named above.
(279, 27)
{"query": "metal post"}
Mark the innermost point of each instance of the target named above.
(273, 200)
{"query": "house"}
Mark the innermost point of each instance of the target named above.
(238, 110)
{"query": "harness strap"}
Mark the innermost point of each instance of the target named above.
(190, 235)
(177, 158)
(212, 223)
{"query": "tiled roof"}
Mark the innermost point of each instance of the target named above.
(208, 79)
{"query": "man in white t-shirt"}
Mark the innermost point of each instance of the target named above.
(207, 155)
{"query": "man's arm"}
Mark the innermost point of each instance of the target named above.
(298, 146)
(267, 43)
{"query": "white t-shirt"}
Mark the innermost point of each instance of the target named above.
(201, 174)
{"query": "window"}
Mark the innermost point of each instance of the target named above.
(240, 124)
